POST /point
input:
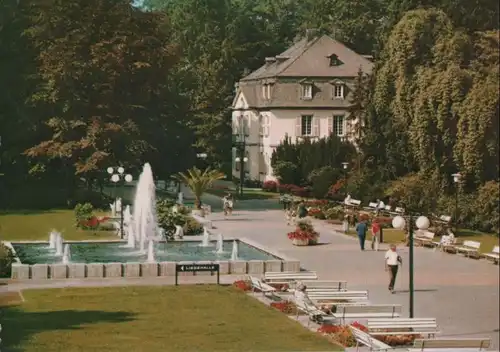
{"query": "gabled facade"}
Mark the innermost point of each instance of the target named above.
(304, 93)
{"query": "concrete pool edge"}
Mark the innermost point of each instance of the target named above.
(144, 269)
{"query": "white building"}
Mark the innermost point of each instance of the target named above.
(304, 93)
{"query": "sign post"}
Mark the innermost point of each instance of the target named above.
(193, 268)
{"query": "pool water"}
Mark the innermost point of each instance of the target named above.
(116, 252)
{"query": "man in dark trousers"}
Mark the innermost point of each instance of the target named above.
(361, 229)
(392, 261)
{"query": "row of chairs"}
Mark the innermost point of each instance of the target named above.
(383, 319)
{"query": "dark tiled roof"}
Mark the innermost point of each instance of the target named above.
(305, 59)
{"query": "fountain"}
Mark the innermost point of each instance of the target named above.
(151, 251)
(53, 239)
(234, 253)
(59, 244)
(205, 242)
(67, 254)
(220, 244)
(144, 218)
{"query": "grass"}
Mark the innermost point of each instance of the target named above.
(248, 193)
(183, 318)
(488, 241)
(33, 225)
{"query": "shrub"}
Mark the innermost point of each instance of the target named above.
(416, 191)
(286, 172)
(316, 213)
(300, 191)
(335, 213)
(97, 199)
(253, 183)
(6, 260)
(192, 227)
(167, 218)
(270, 186)
(321, 179)
(83, 214)
(487, 207)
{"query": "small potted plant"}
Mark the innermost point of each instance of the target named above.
(304, 234)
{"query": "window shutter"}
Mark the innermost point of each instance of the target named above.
(330, 125)
(315, 128)
(298, 126)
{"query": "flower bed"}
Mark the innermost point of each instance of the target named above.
(342, 334)
(243, 285)
(304, 234)
(286, 307)
(279, 287)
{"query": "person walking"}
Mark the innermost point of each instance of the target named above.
(227, 202)
(375, 235)
(361, 229)
(392, 262)
(301, 210)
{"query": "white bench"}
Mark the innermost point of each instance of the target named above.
(261, 286)
(494, 255)
(354, 202)
(312, 312)
(399, 210)
(203, 221)
(403, 326)
(328, 296)
(367, 311)
(288, 276)
(372, 205)
(462, 345)
(469, 248)
(424, 238)
(324, 284)
(445, 218)
(362, 338)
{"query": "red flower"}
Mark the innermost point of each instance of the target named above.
(242, 285)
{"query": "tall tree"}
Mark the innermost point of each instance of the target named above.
(104, 67)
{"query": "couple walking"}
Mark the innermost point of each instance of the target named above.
(362, 229)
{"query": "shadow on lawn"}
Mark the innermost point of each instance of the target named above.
(26, 211)
(19, 325)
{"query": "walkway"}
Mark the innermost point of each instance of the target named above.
(462, 294)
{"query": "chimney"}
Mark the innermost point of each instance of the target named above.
(270, 60)
(311, 33)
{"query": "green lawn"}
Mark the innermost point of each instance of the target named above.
(248, 193)
(36, 225)
(184, 318)
(397, 236)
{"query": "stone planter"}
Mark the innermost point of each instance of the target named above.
(299, 242)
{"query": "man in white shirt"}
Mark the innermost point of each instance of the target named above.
(392, 261)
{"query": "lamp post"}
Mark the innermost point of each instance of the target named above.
(242, 160)
(115, 178)
(422, 223)
(456, 179)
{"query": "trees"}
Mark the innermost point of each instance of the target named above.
(104, 82)
(199, 181)
(294, 162)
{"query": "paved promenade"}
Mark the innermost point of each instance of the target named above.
(462, 294)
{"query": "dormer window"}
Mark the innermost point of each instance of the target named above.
(338, 91)
(334, 60)
(307, 91)
(266, 91)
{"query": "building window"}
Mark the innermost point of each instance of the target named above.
(339, 125)
(266, 91)
(338, 91)
(306, 125)
(307, 91)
